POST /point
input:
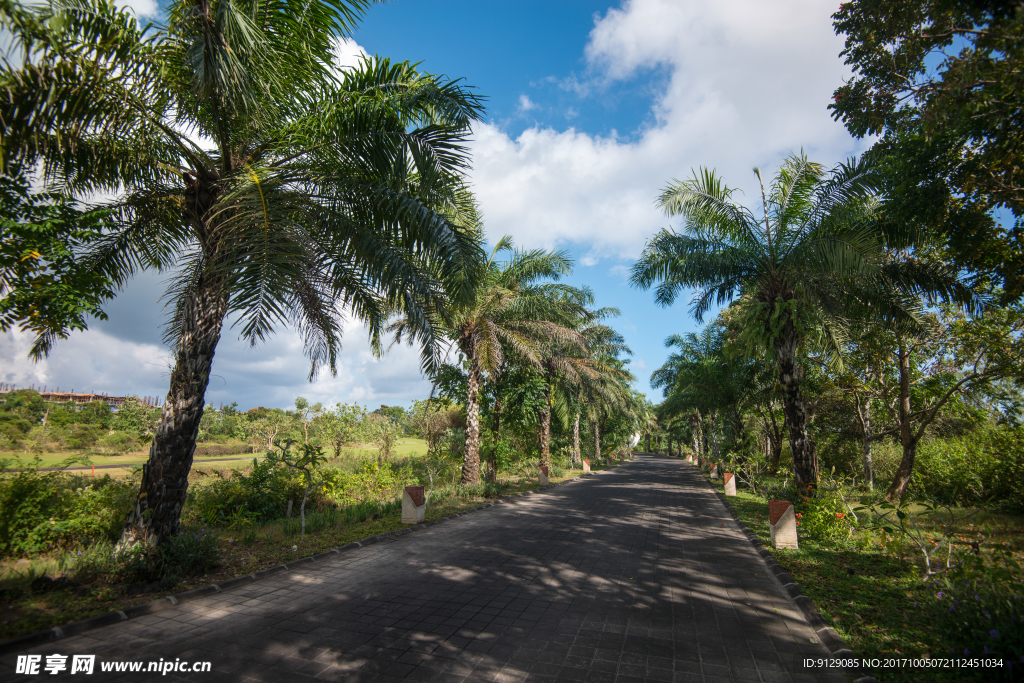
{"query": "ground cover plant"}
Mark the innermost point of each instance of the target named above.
(868, 581)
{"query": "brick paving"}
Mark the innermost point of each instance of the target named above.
(636, 574)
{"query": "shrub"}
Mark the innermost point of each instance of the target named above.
(188, 553)
(243, 498)
(118, 443)
(83, 436)
(826, 519)
(982, 613)
(42, 511)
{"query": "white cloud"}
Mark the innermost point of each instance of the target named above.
(142, 8)
(748, 83)
(525, 104)
(348, 53)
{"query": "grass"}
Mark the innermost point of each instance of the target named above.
(267, 546)
(873, 595)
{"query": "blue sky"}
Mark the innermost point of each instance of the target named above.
(591, 109)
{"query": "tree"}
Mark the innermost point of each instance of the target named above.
(45, 289)
(800, 268)
(339, 427)
(942, 83)
(309, 193)
(511, 314)
(958, 356)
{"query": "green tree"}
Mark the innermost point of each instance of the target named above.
(942, 84)
(318, 191)
(801, 268)
(44, 287)
(511, 314)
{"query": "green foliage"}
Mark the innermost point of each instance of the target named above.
(373, 479)
(23, 403)
(188, 553)
(244, 498)
(986, 465)
(41, 511)
(981, 611)
(45, 288)
(940, 83)
(825, 518)
(135, 417)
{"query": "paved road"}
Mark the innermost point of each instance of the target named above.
(635, 574)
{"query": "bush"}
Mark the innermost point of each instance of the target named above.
(188, 553)
(83, 436)
(243, 498)
(42, 511)
(985, 465)
(982, 614)
(118, 443)
(826, 519)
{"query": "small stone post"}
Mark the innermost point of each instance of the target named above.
(689, 458)
(609, 461)
(586, 466)
(714, 470)
(414, 505)
(542, 475)
(730, 483)
(782, 524)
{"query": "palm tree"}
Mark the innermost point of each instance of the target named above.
(272, 186)
(607, 384)
(800, 268)
(511, 316)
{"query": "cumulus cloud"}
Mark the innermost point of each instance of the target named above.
(142, 8)
(525, 104)
(748, 83)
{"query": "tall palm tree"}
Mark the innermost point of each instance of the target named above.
(606, 385)
(272, 186)
(513, 315)
(800, 268)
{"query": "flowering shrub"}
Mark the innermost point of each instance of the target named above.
(825, 519)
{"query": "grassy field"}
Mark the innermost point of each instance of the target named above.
(407, 447)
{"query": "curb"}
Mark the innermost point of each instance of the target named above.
(75, 628)
(827, 636)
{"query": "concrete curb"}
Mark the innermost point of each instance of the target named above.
(828, 636)
(74, 628)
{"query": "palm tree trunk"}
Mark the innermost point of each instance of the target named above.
(576, 439)
(716, 446)
(864, 411)
(471, 458)
(774, 440)
(545, 424)
(805, 459)
(157, 511)
(907, 437)
(695, 432)
(597, 442)
(492, 461)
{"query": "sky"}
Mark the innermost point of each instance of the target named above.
(592, 109)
